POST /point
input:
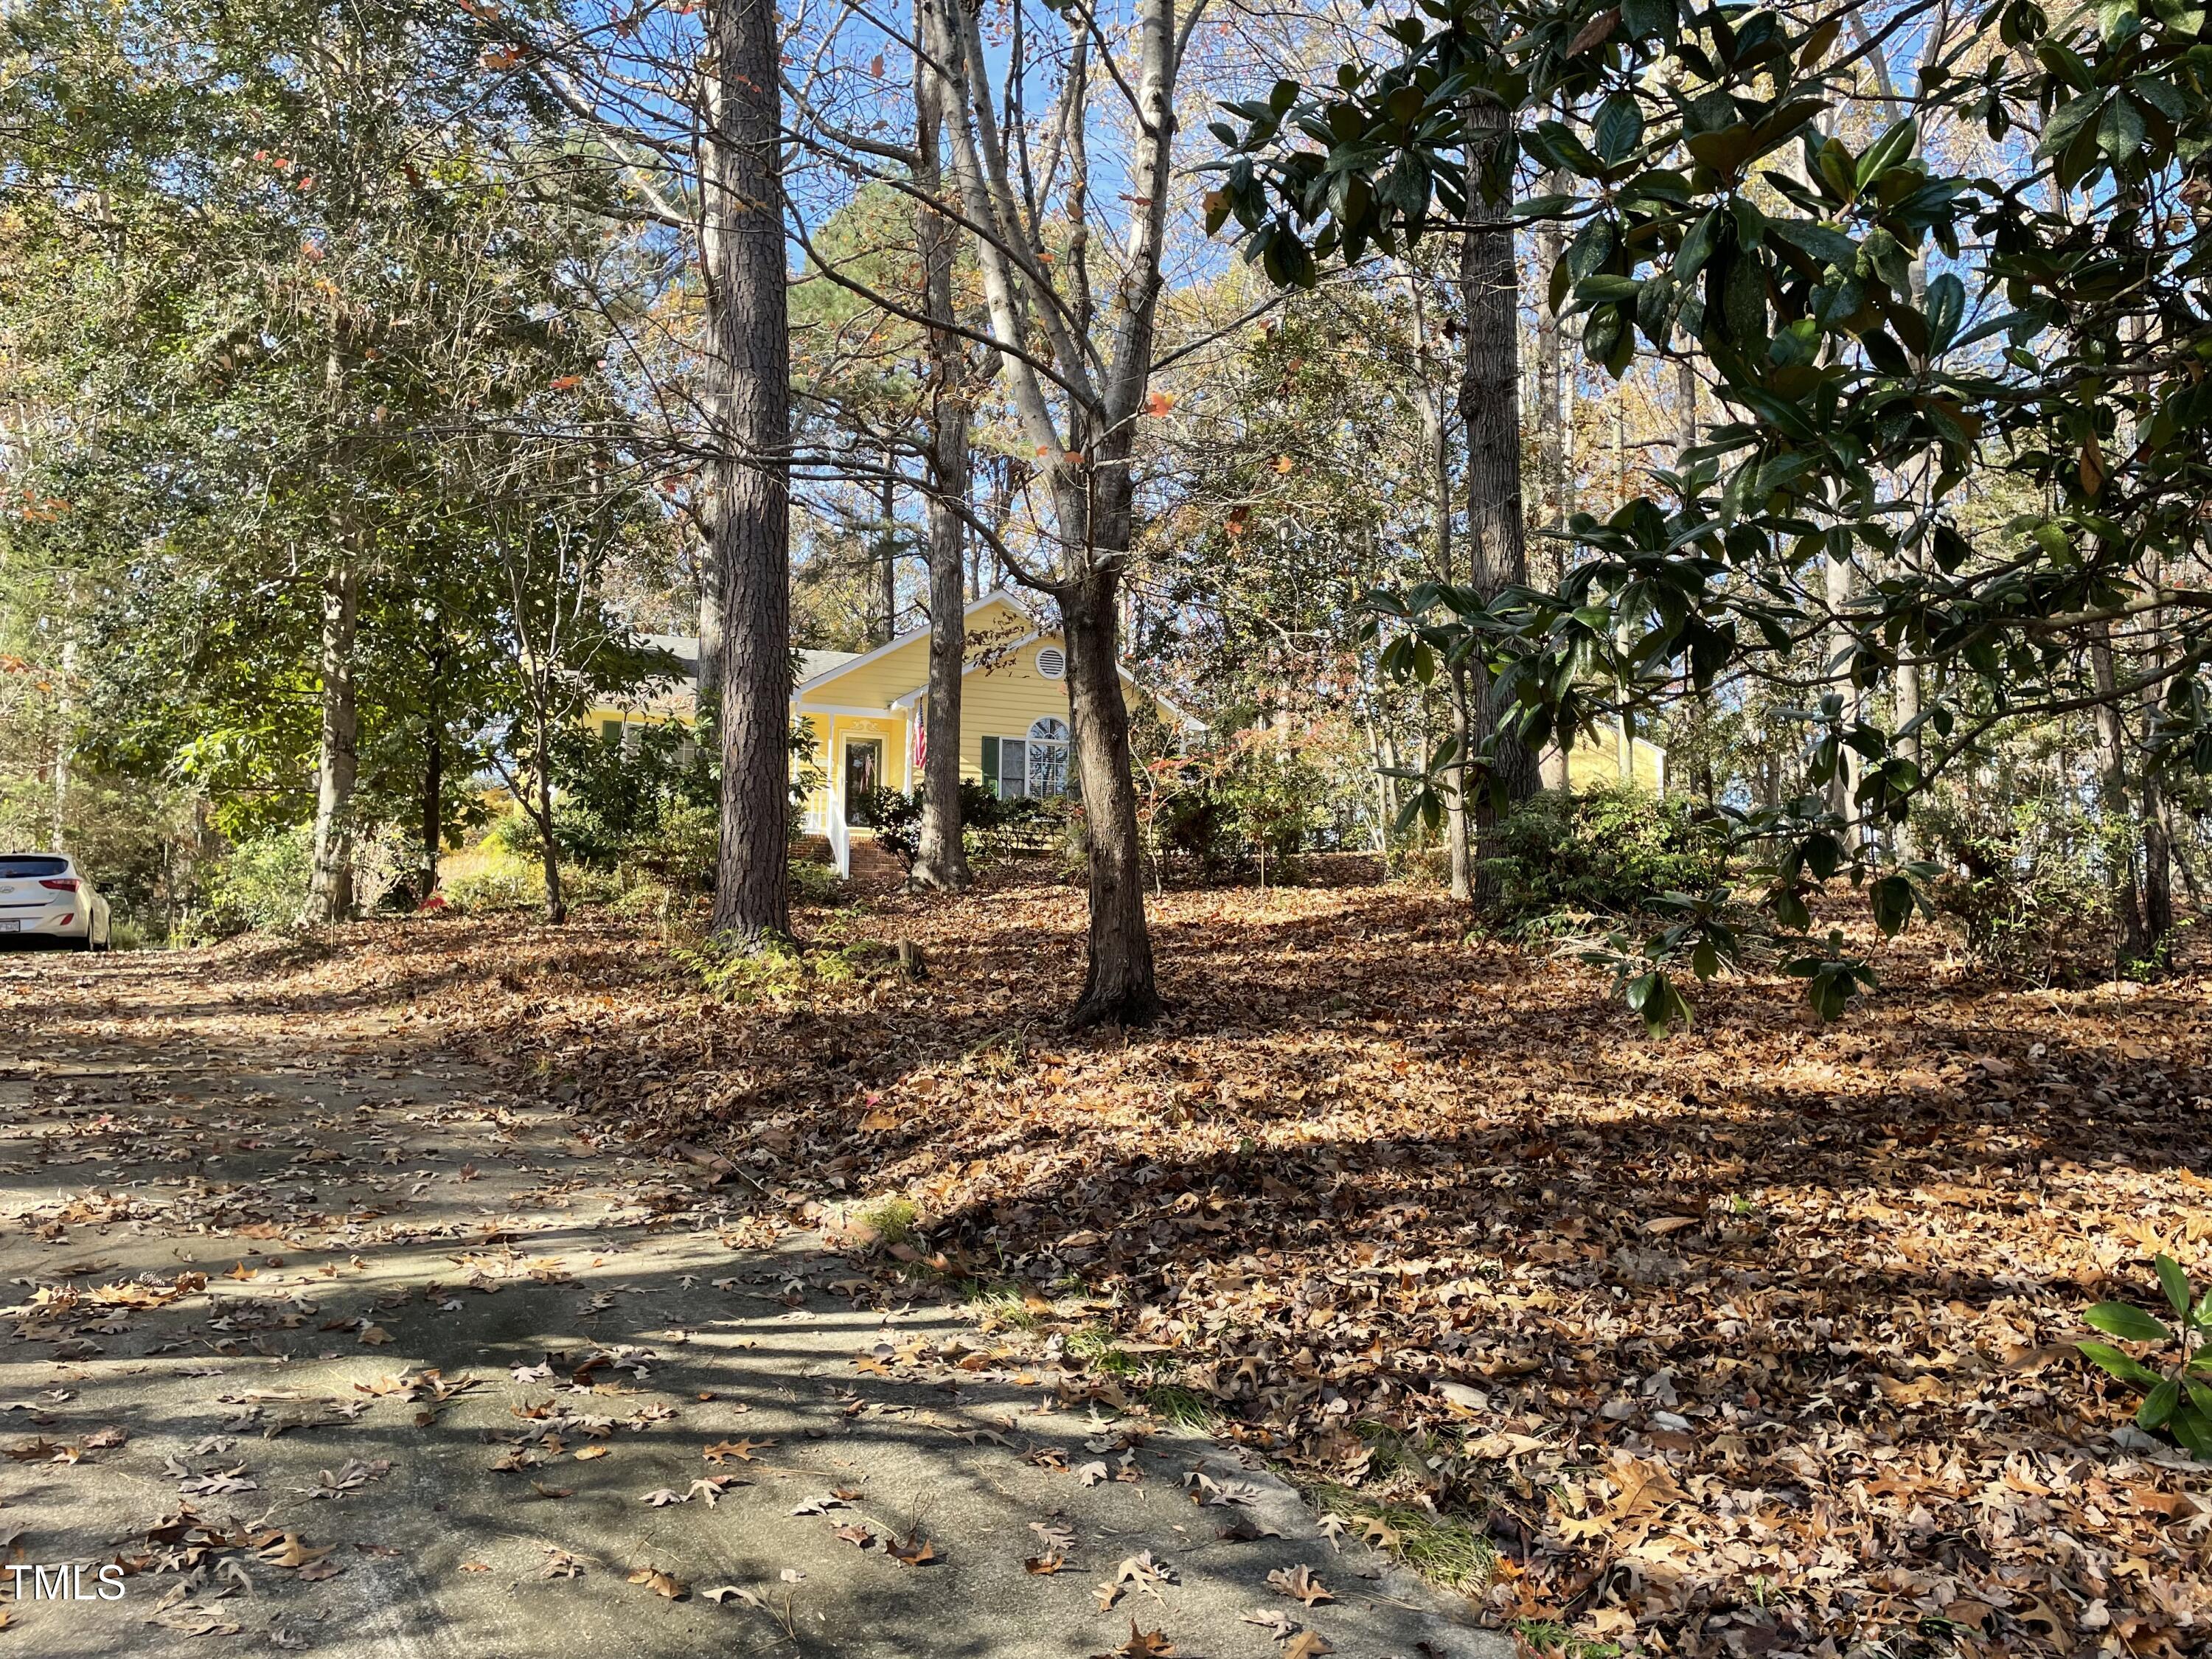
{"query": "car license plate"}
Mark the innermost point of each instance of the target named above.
(11, 924)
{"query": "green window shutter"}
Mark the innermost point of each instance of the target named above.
(991, 765)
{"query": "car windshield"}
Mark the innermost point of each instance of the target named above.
(25, 868)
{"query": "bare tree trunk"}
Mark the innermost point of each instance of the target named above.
(750, 361)
(549, 849)
(1550, 565)
(434, 806)
(1456, 838)
(1905, 687)
(886, 601)
(942, 861)
(1490, 405)
(1436, 433)
(330, 887)
(1086, 464)
(1841, 582)
(1117, 986)
(2119, 836)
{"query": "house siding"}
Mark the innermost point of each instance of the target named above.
(1002, 700)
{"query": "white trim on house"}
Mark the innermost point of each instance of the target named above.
(853, 709)
(906, 700)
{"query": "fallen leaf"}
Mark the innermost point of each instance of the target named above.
(1299, 1584)
(659, 1583)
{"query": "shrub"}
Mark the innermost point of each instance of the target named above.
(988, 823)
(678, 849)
(262, 884)
(815, 884)
(645, 808)
(1250, 806)
(2025, 894)
(1605, 852)
(521, 888)
(780, 969)
(2177, 1383)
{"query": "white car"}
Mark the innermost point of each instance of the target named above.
(45, 897)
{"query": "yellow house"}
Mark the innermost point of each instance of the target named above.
(1598, 765)
(867, 714)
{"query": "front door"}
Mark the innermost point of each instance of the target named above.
(864, 772)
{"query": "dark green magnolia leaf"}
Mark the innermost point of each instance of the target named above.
(1947, 305)
(2173, 1282)
(1887, 151)
(2191, 1425)
(2158, 1405)
(1619, 127)
(2128, 1323)
(2124, 1366)
(2120, 129)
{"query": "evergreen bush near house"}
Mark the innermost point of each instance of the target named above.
(988, 822)
(1604, 853)
(260, 885)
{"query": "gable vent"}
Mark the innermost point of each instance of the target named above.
(1051, 663)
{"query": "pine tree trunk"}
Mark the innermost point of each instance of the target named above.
(329, 886)
(942, 861)
(1117, 986)
(749, 367)
(1490, 405)
(2157, 868)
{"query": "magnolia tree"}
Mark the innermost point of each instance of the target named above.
(1890, 323)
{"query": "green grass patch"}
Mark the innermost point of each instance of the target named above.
(1551, 1640)
(1184, 1408)
(892, 1217)
(1004, 1305)
(1095, 1347)
(1448, 1549)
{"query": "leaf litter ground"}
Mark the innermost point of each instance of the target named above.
(1754, 1342)
(321, 1337)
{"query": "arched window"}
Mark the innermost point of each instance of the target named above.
(1048, 757)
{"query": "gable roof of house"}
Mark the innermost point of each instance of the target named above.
(819, 668)
(849, 660)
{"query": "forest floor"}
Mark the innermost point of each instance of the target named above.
(325, 1340)
(1754, 1341)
